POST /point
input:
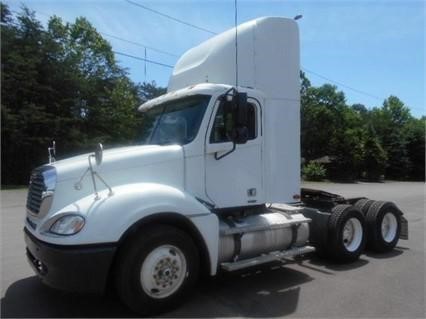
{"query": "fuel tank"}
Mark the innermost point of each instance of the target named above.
(254, 235)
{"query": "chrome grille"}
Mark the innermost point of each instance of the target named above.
(41, 182)
(35, 192)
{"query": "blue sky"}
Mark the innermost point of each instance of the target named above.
(377, 47)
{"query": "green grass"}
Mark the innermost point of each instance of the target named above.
(8, 187)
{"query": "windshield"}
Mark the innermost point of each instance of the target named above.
(174, 122)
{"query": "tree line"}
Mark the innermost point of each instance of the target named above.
(62, 82)
(381, 142)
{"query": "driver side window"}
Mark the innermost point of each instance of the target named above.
(223, 123)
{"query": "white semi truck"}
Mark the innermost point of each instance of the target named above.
(214, 185)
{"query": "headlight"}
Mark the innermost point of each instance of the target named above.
(67, 225)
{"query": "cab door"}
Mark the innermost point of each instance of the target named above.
(234, 176)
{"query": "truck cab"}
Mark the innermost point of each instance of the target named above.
(213, 184)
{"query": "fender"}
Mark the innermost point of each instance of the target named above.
(108, 218)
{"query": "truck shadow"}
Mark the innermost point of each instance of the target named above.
(322, 263)
(260, 292)
(335, 266)
(266, 291)
(393, 253)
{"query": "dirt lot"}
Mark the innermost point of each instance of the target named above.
(389, 285)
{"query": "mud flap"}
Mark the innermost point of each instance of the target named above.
(404, 229)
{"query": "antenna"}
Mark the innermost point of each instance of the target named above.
(236, 44)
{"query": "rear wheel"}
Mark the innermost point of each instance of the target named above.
(363, 205)
(383, 222)
(346, 235)
(157, 269)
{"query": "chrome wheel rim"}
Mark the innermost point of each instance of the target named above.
(389, 227)
(163, 271)
(352, 234)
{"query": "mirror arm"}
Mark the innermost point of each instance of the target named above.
(92, 174)
(216, 157)
(79, 185)
(105, 183)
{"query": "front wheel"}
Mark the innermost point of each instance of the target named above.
(157, 269)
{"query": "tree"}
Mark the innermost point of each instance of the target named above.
(330, 127)
(61, 83)
(415, 138)
(320, 120)
(389, 122)
(305, 84)
(24, 115)
(360, 109)
(148, 91)
(374, 157)
(348, 146)
(5, 14)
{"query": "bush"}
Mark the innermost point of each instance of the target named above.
(314, 171)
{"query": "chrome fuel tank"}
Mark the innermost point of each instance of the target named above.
(257, 234)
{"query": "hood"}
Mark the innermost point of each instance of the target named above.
(116, 159)
(120, 166)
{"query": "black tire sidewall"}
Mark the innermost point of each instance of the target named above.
(376, 240)
(337, 248)
(131, 289)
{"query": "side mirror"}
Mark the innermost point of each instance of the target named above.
(237, 109)
(240, 101)
(240, 132)
(99, 154)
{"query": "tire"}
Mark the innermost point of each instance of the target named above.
(363, 205)
(383, 222)
(346, 233)
(156, 269)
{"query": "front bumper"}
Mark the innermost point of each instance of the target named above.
(81, 268)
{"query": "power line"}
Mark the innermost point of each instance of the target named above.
(125, 54)
(353, 89)
(342, 84)
(139, 44)
(121, 39)
(212, 32)
(170, 17)
(143, 59)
